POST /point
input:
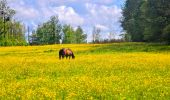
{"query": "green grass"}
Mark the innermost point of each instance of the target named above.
(99, 72)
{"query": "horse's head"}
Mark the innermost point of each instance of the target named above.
(73, 57)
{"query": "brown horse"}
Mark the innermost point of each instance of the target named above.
(66, 52)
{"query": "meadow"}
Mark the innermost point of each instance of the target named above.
(118, 71)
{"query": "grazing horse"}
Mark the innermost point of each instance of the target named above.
(66, 52)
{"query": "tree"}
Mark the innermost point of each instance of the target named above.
(55, 30)
(132, 21)
(166, 34)
(111, 36)
(80, 36)
(33, 38)
(49, 32)
(96, 35)
(52, 32)
(6, 15)
(146, 20)
(69, 34)
(11, 31)
(157, 19)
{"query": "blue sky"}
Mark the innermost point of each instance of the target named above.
(104, 14)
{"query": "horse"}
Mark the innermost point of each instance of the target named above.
(66, 52)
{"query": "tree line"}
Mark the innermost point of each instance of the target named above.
(11, 31)
(146, 20)
(52, 32)
(142, 21)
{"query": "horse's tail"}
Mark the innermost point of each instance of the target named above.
(60, 53)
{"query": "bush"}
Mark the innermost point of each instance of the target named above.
(12, 42)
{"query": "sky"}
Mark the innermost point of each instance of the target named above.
(104, 14)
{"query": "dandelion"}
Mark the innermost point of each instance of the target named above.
(99, 71)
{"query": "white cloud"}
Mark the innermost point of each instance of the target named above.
(23, 11)
(104, 17)
(68, 15)
(102, 27)
(43, 3)
(27, 13)
(43, 12)
(103, 1)
(104, 14)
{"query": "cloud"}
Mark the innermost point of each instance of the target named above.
(104, 14)
(43, 12)
(103, 1)
(102, 27)
(24, 11)
(107, 16)
(68, 15)
(66, 2)
(27, 13)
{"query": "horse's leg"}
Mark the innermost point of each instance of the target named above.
(66, 56)
(62, 56)
(59, 56)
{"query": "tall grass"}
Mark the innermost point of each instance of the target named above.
(100, 71)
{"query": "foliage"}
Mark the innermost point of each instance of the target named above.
(132, 19)
(145, 20)
(156, 19)
(73, 36)
(80, 36)
(51, 32)
(166, 33)
(48, 32)
(100, 71)
(11, 32)
(68, 34)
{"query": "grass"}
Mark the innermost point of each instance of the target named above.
(99, 72)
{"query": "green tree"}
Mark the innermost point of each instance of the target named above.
(69, 34)
(49, 32)
(11, 32)
(33, 38)
(146, 20)
(157, 19)
(132, 21)
(6, 14)
(166, 34)
(80, 36)
(55, 30)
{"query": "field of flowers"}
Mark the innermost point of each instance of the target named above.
(99, 72)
